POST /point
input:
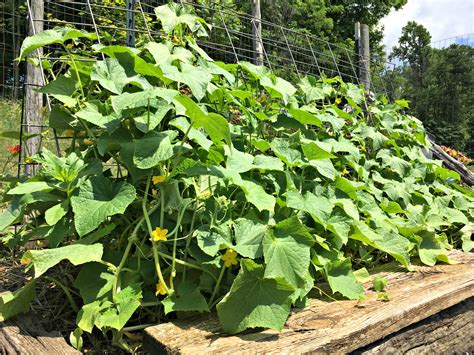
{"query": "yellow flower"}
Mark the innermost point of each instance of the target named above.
(344, 172)
(158, 179)
(68, 132)
(160, 289)
(69, 45)
(160, 234)
(154, 192)
(338, 101)
(28, 160)
(88, 141)
(230, 258)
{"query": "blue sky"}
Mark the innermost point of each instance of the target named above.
(442, 18)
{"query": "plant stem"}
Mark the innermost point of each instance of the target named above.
(218, 284)
(121, 265)
(67, 291)
(188, 239)
(150, 232)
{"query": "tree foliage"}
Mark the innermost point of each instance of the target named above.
(439, 83)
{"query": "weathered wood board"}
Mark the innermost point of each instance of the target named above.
(450, 331)
(23, 337)
(329, 327)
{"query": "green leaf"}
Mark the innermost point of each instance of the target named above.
(141, 99)
(99, 198)
(55, 213)
(340, 224)
(362, 275)
(12, 213)
(430, 248)
(264, 162)
(278, 87)
(170, 19)
(389, 242)
(288, 154)
(287, 252)
(214, 124)
(97, 235)
(152, 148)
(44, 38)
(89, 313)
(255, 301)
(150, 120)
(77, 254)
(195, 135)
(466, 232)
(248, 237)
(379, 283)
(256, 195)
(210, 241)
(90, 113)
(110, 75)
(16, 302)
(187, 298)
(341, 279)
(349, 187)
(324, 167)
(126, 302)
(29, 187)
(316, 151)
(305, 117)
(75, 338)
(60, 117)
(62, 88)
(93, 282)
(197, 78)
(392, 207)
(319, 207)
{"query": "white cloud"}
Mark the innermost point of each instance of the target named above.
(442, 18)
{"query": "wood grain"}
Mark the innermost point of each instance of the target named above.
(450, 331)
(22, 336)
(340, 326)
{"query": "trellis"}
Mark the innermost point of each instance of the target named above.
(288, 53)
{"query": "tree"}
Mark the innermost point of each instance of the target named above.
(413, 46)
(439, 83)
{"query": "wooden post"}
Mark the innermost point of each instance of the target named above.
(364, 56)
(257, 32)
(34, 80)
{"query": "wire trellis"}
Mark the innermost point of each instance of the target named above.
(288, 53)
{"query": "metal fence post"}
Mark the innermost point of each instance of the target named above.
(130, 23)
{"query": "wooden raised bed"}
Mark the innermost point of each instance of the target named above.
(346, 326)
(23, 336)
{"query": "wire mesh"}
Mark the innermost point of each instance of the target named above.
(289, 53)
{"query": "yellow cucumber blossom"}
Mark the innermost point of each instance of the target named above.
(28, 160)
(154, 192)
(338, 101)
(158, 179)
(344, 172)
(68, 133)
(159, 234)
(230, 258)
(87, 141)
(160, 289)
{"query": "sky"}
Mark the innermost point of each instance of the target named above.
(442, 18)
